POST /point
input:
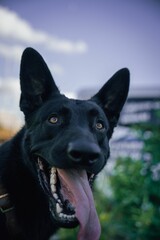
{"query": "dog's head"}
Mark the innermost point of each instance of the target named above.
(67, 140)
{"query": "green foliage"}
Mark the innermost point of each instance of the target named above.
(68, 234)
(132, 214)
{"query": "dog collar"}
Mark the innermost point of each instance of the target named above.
(5, 204)
(7, 209)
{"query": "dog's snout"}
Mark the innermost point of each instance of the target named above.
(83, 153)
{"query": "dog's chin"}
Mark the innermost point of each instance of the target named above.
(60, 197)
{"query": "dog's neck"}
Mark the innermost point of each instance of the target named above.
(7, 209)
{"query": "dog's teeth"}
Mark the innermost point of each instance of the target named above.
(65, 216)
(91, 177)
(70, 217)
(53, 170)
(58, 208)
(55, 196)
(61, 215)
(53, 188)
(53, 179)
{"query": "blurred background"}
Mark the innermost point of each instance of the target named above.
(84, 43)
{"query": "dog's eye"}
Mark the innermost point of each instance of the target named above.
(99, 125)
(53, 119)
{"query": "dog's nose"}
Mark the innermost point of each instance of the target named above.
(83, 153)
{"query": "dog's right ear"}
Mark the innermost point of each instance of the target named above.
(112, 96)
(36, 81)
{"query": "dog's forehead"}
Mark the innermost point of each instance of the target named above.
(77, 105)
(72, 105)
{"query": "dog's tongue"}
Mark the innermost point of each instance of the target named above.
(82, 198)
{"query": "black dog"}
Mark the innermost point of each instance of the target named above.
(47, 169)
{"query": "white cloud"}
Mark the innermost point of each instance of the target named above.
(9, 82)
(66, 46)
(12, 52)
(14, 27)
(15, 53)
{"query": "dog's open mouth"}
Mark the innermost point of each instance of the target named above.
(70, 198)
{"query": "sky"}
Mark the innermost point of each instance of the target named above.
(83, 42)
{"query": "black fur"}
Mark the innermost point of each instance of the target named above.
(65, 133)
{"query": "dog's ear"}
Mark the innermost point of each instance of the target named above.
(36, 81)
(112, 96)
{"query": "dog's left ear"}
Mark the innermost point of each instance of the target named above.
(36, 81)
(113, 95)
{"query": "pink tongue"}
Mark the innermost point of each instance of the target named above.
(82, 198)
